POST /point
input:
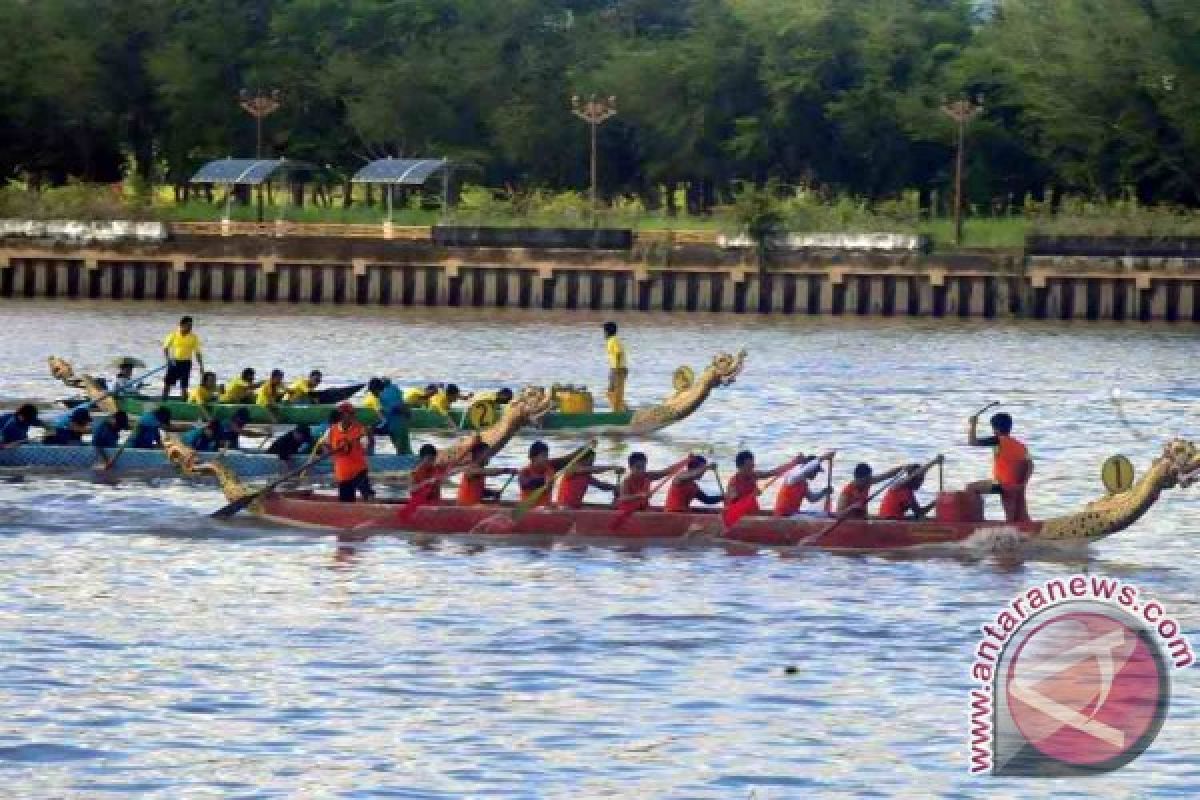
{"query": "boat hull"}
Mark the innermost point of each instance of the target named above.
(322, 511)
(422, 419)
(73, 458)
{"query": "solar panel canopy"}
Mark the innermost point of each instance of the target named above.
(403, 171)
(252, 171)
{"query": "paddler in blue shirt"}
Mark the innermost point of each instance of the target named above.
(393, 413)
(231, 433)
(14, 427)
(106, 433)
(148, 434)
(70, 428)
(204, 438)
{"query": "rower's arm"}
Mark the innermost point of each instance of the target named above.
(818, 495)
(691, 474)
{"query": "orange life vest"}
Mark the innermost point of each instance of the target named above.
(680, 496)
(1008, 460)
(572, 488)
(790, 498)
(470, 490)
(896, 502)
(855, 498)
(349, 455)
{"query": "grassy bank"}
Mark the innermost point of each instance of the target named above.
(540, 208)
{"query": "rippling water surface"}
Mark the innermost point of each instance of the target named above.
(148, 650)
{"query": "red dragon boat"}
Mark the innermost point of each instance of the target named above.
(958, 518)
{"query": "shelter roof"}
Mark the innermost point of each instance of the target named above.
(404, 171)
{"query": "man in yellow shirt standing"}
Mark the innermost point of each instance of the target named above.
(180, 346)
(618, 367)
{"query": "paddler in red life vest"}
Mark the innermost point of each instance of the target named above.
(348, 441)
(577, 478)
(900, 501)
(537, 473)
(472, 488)
(685, 487)
(795, 489)
(855, 498)
(635, 488)
(743, 486)
(426, 476)
(1012, 466)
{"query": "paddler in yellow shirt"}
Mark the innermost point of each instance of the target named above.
(301, 389)
(179, 348)
(445, 399)
(240, 390)
(271, 392)
(206, 392)
(419, 398)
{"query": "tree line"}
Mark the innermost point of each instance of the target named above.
(1090, 97)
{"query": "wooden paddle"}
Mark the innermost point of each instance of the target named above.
(112, 462)
(849, 512)
(988, 407)
(132, 381)
(240, 503)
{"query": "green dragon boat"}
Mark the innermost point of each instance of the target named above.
(690, 393)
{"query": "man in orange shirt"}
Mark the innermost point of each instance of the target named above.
(900, 500)
(855, 498)
(795, 490)
(537, 474)
(1012, 466)
(472, 488)
(742, 490)
(685, 487)
(576, 479)
(349, 442)
(636, 487)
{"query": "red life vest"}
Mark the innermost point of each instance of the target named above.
(470, 490)
(790, 498)
(896, 502)
(1008, 459)
(854, 500)
(423, 474)
(636, 484)
(572, 489)
(680, 496)
(744, 486)
(546, 473)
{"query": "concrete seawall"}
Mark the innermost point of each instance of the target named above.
(654, 276)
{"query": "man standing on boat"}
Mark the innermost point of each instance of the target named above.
(1012, 466)
(618, 367)
(179, 348)
(349, 441)
(386, 400)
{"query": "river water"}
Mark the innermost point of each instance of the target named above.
(150, 651)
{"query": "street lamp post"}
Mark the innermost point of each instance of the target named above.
(259, 105)
(594, 112)
(962, 112)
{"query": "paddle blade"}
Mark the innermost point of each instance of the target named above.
(234, 507)
(738, 509)
(625, 511)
